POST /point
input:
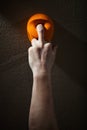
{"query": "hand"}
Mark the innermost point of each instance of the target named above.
(41, 55)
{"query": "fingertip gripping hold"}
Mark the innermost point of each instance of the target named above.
(40, 19)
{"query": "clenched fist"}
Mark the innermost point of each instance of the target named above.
(41, 55)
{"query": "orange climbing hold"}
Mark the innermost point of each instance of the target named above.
(40, 19)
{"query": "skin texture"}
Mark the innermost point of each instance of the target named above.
(41, 58)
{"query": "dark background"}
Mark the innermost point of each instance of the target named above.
(69, 72)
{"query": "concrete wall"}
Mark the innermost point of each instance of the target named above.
(68, 77)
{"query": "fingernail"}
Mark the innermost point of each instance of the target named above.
(39, 27)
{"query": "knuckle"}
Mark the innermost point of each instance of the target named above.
(33, 40)
(30, 49)
(48, 45)
(41, 45)
(36, 49)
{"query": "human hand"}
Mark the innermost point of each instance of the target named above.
(41, 54)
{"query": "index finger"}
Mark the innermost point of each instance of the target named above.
(40, 31)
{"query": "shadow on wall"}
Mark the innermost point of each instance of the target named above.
(71, 54)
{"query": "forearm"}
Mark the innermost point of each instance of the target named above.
(42, 115)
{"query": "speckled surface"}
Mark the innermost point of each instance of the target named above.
(68, 77)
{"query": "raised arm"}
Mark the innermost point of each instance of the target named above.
(41, 57)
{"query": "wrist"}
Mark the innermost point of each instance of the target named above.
(42, 79)
(42, 74)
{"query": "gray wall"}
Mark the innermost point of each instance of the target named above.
(68, 77)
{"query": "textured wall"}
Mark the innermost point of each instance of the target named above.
(68, 73)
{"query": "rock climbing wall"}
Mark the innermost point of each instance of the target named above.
(68, 77)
